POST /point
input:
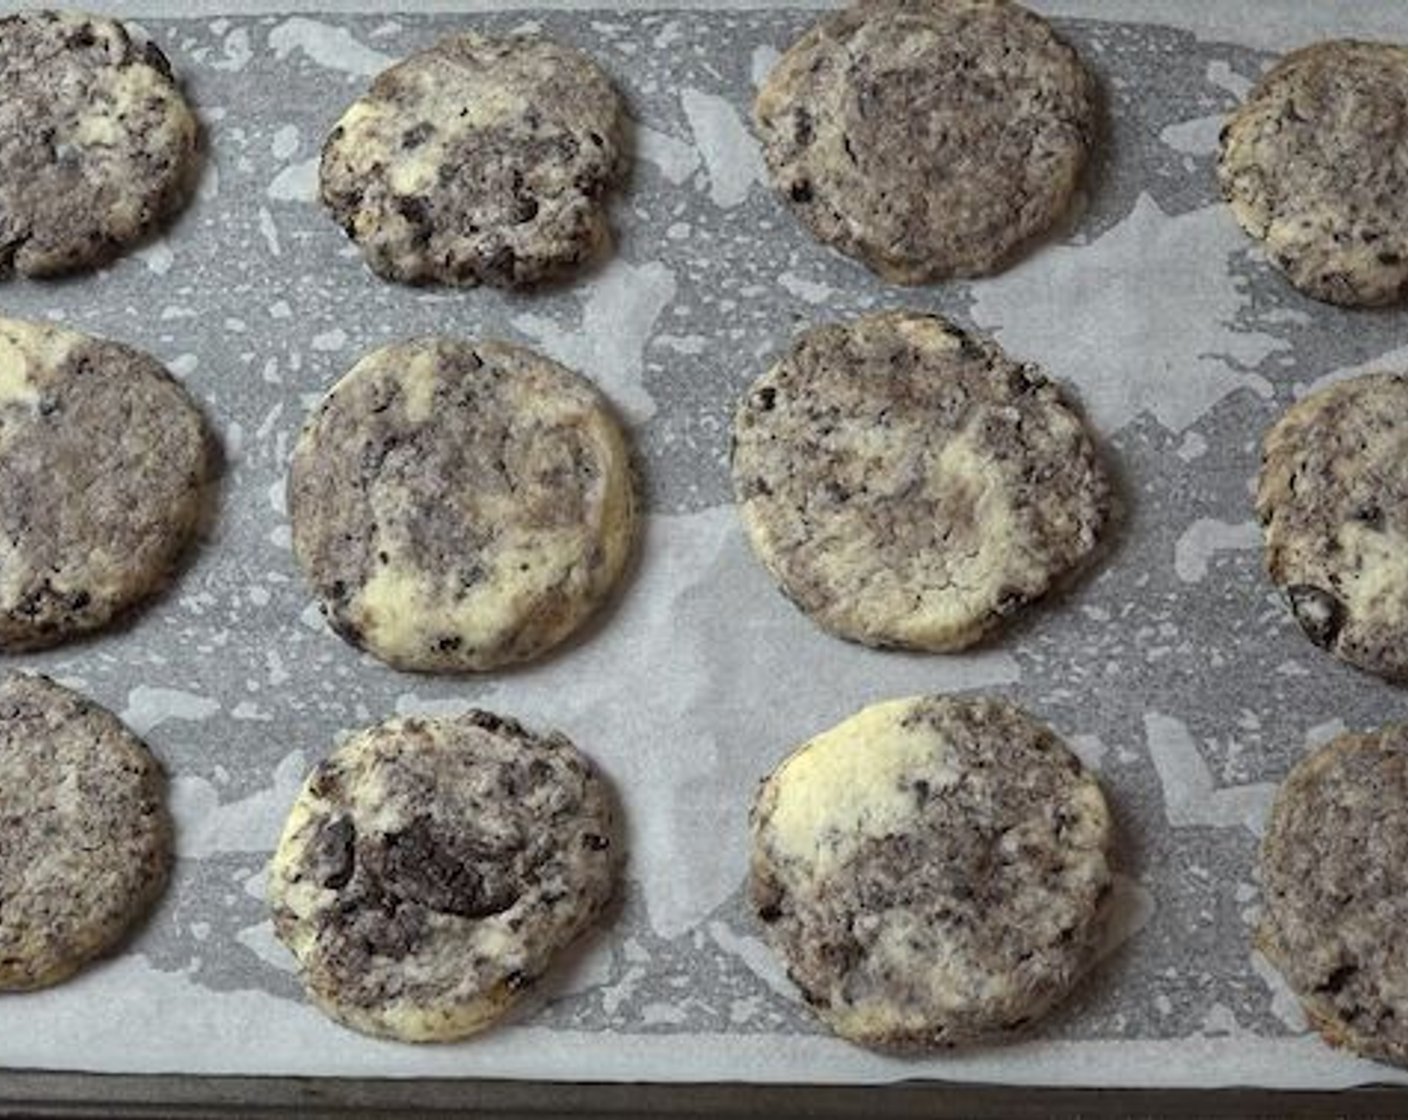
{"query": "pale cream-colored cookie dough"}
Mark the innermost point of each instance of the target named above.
(1334, 877)
(929, 139)
(1315, 166)
(85, 840)
(909, 485)
(431, 870)
(933, 871)
(480, 160)
(1332, 498)
(104, 460)
(461, 505)
(96, 141)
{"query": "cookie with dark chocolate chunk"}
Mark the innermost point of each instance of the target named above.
(933, 871)
(911, 486)
(1333, 502)
(104, 460)
(461, 505)
(478, 161)
(1315, 165)
(85, 839)
(96, 141)
(432, 869)
(928, 138)
(1334, 878)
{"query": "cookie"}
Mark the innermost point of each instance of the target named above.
(928, 138)
(1334, 878)
(460, 505)
(96, 141)
(103, 464)
(87, 840)
(478, 161)
(1315, 165)
(933, 871)
(1332, 498)
(911, 486)
(431, 870)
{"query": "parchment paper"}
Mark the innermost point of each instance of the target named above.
(1173, 669)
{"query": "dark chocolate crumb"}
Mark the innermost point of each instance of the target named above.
(1319, 613)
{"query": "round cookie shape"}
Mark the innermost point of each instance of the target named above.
(87, 840)
(96, 141)
(104, 460)
(478, 161)
(910, 486)
(1332, 498)
(1334, 876)
(461, 505)
(933, 871)
(927, 139)
(432, 869)
(1315, 165)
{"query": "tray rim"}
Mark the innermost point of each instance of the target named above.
(46, 1093)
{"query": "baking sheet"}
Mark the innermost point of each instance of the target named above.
(1173, 669)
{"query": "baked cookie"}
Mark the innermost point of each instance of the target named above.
(1334, 876)
(1315, 164)
(928, 138)
(478, 161)
(103, 464)
(1333, 503)
(431, 869)
(933, 871)
(96, 141)
(87, 840)
(460, 505)
(908, 485)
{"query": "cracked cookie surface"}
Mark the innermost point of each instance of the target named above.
(933, 871)
(910, 486)
(461, 505)
(478, 161)
(432, 869)
(1332, 498)
(928, 139)
(104, 460)
(1334, 875)
(96, 141)
(85, 840)
(1315, 165)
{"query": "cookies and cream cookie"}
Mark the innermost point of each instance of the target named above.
(85, 840)
(96, 140)
(932, 871)
(909, 485)
(432, 869)
(1315, 166)
(1334, 877)
(928, 138)
(461, 505)
(104, 459)
(478, 161)
(1332, 498)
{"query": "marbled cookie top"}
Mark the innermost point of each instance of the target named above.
(1315, 164)
(477, 161)
(1333, 502)
(1334, 875)
(104, 460)
(461, 505)
(85, 841)
(431, 869)
(910, 485)
(96, 141)
(929, 139)
(932, 870)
